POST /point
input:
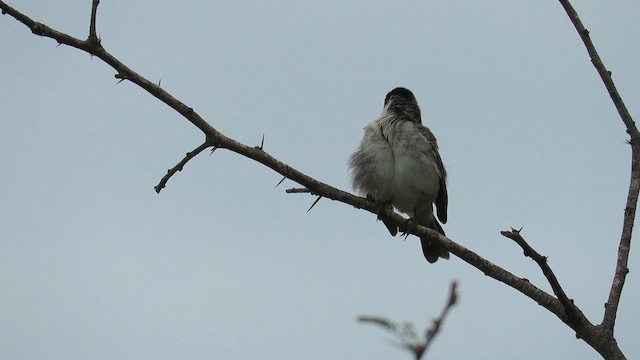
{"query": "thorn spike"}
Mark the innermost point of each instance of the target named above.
(314, 203)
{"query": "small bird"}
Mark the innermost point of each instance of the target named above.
(397, 163)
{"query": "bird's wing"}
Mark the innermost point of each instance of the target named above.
(432, 150)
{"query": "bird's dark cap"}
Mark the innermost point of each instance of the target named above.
(401, 93)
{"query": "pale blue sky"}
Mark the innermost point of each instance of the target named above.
(95, 265)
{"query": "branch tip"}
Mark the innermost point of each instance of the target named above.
(572, 312)
(190, 155)
(93, 38)
(298, 191)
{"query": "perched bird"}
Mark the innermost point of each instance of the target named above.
(397, 163)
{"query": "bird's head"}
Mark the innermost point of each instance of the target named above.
(401, 102)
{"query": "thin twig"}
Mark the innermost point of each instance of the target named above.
(93, 36)
(179, 166)
(569, 307)
(611, 306)
(405, 336)
(297, 190)
(605, 74)
(437, 322)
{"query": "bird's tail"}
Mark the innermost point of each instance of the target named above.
(432, 251)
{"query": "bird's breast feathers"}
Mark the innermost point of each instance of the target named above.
(401, 162)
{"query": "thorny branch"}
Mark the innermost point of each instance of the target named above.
(602, 341)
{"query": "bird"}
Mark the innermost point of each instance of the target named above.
(397, 163)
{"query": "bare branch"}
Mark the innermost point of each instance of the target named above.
(179, 166)
(405, 335)
(569, 307)
(601, 341)
(605, 74)
(611, 306)
(437, 322)
(93, 36)
(297, 191)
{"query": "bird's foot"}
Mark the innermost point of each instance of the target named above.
(410, 225)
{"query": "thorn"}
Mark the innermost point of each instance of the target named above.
(261, 143)
(314, 203)
(59, 43)
(280, 182)
(120, 76)
(212, 150)
(159, 82)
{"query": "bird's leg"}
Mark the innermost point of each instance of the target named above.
(410, 223)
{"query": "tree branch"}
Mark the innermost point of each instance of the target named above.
(574, 314)
(93, 36)
(406, 336)
(179, 166)
(605, 74)
(611, 306)
(437, 322)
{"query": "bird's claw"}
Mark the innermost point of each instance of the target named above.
(410, 225)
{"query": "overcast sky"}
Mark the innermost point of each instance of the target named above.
(222, 264)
